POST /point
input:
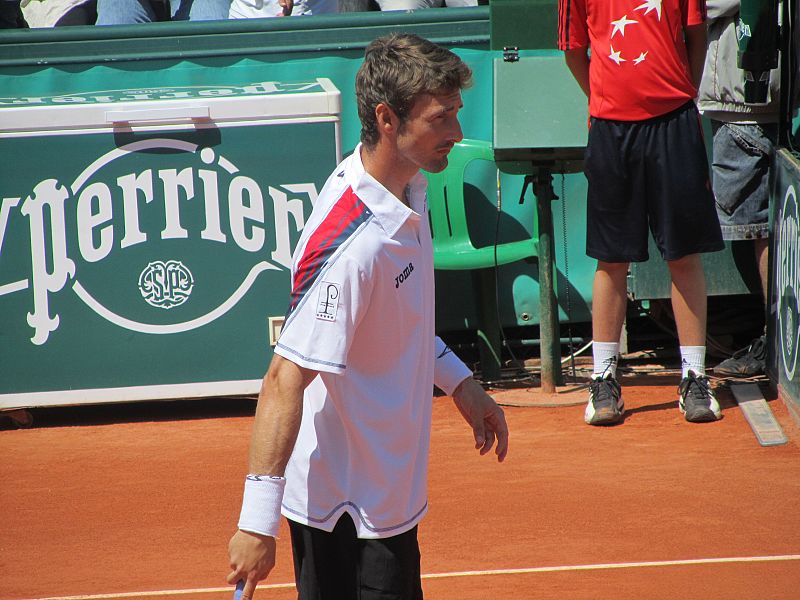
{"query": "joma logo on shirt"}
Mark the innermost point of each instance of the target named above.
(404, 275)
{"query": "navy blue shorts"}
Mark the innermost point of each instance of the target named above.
(340, 566)
(649, 176)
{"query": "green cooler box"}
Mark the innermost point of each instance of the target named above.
(146, 235)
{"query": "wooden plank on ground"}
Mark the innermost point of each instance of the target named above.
(766, 428)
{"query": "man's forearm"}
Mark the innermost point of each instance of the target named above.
(695, 37)
(277, 420)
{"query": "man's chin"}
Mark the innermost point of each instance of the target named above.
(437, 166)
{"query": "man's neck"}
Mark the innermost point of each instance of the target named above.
(383, 166)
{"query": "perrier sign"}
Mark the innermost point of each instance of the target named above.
(143, 260)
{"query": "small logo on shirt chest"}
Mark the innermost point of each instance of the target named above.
(404, 275)
(328, 301)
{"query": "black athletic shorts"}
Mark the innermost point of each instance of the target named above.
(339, 566)
(652, 175)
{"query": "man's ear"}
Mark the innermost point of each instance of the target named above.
(386, 118)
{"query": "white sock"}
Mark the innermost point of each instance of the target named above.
(694, 358)
(605, 358)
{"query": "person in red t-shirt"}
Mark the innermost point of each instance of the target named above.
(647, 170)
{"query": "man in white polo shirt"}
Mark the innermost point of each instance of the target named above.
(342, 429)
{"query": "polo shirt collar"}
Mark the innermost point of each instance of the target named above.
(387, 208)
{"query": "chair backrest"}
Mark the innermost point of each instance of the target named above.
(452, 246)
(446, 203)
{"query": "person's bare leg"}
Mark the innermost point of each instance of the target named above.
(751, 361)
(609, 301)
(689, 303)
(689, 299)
(761, 247)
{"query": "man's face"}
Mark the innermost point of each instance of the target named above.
(430, 130)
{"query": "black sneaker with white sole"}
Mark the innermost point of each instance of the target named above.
(696, 399)
(605, 406)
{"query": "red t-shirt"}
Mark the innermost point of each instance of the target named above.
(639, 66)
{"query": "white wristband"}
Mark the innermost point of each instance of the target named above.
(261, 505)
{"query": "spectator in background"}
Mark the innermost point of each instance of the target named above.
(416, 4)
(275, 8)
(119, 12)
(354, 5)
(58, 13)
(248, 9)
(743, 154)
(11, 15)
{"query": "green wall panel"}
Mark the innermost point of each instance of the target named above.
(72, 62)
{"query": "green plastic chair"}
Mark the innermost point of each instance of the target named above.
(454, 250)
(452, 247)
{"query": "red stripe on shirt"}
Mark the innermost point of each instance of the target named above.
(347, 209)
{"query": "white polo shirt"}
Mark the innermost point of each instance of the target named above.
(362, 314)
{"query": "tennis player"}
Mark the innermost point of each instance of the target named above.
(342, 428)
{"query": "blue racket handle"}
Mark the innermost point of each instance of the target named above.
(237, 595)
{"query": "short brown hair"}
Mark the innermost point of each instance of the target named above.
(397, 69)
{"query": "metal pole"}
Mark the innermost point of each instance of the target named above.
(550, 350)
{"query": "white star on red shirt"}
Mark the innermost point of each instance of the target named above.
(639, 58)
(620, 24)
(650, 5)
(615, 56)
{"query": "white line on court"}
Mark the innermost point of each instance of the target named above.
(595, 567)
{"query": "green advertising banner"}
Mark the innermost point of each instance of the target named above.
(784, 317)
(143, 254)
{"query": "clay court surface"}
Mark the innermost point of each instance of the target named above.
(138, 501)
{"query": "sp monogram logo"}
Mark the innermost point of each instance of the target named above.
(166, 284)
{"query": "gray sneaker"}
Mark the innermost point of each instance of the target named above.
(747, 362)
(696, 399)
(605, 405)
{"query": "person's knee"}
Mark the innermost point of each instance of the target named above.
(613, 269)
(686, 264)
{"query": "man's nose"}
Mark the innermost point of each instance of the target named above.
(457, 134)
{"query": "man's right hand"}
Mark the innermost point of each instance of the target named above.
(252, 558)
(286, 7)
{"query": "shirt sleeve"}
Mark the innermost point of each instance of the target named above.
(449, 370)
(695, 12)
(319, 329)
(573, 29)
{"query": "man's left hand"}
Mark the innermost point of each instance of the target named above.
(484, 416)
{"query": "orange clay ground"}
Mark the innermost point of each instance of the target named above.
(138, 501)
